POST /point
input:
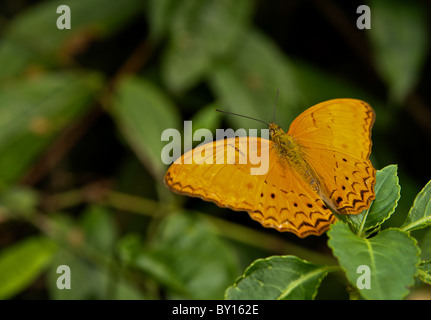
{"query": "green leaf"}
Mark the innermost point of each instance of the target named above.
(135, 253)
(400, 38)
(278, 278)
(160, 14)
(19, 200)
(141, 111)
(425, 271)
(425, 245)
(88, 280)
(391, 256)
(88, 251)
(186, 257)
(34, 111)
(22, 263)
(207, 118)
(127, 289)
(248, 84)
(201, 32)
(99, 228)
(33, 37)
(387, 191)
(419, 215)
(190, 248)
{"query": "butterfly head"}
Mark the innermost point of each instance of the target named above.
(275, 131)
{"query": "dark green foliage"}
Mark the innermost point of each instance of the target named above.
(82, 112)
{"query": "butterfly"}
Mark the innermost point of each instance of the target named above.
(320, 166)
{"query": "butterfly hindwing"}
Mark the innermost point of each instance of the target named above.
(285, 202)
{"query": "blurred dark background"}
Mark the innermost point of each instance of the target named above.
(82, 111)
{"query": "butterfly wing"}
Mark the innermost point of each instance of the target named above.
(276, 198)
(284, 201)
(335, 139)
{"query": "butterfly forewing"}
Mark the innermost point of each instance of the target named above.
(218, 172)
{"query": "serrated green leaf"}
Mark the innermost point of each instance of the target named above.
(278, 278)
(400, 39)
(392, 258)
(33, 112)
(201, 32)
(22, 263)
(419, 215)
(248, 84)
(387, 190)
(141, 110)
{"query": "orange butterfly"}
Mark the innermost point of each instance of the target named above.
(320, 164)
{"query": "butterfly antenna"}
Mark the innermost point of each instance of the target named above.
(240, 115)
(275, 104)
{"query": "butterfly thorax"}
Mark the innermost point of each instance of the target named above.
(289, 151)
(285, 144)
